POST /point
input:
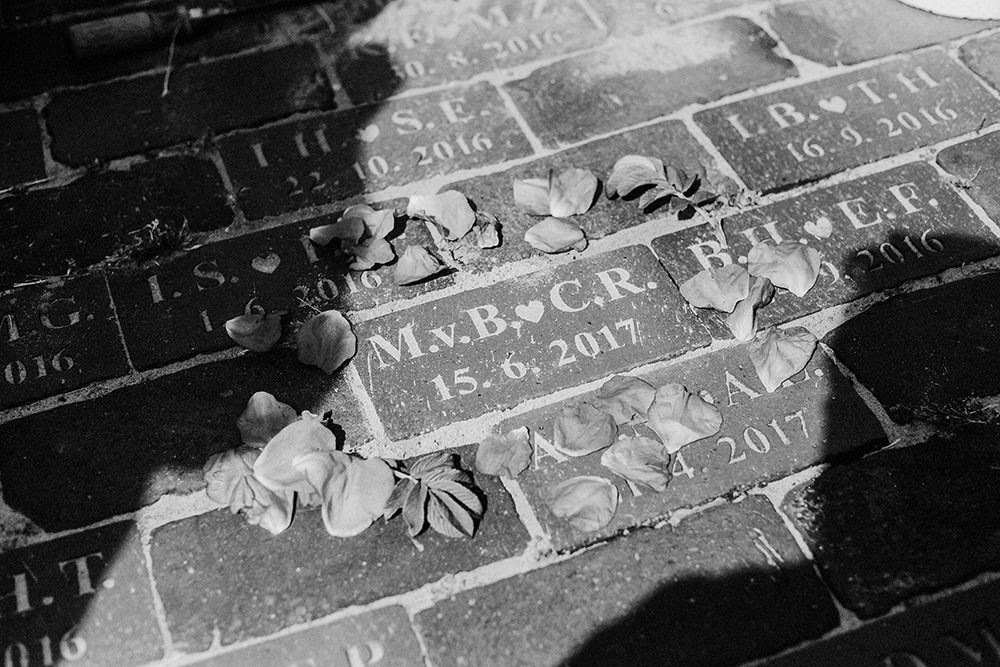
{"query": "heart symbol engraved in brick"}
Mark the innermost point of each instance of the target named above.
(821, 229)
(531, 311)
(368, 134)
(836, 104)
(267, 263)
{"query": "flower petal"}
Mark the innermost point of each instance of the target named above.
(327, 341)
(449, 209)
(625, 398)
(789, 264)
(371, 253)
(640, 460)
(255, 332)
(269, 510)
(778, 354)
(532, 195)
(581, 429)
(631, 172)
(718, 288)
(571, 192)
(376, 224)
(554, 235)
(346, 231)
(508, 454)
(274, 467)
(743, 320)
(588, 502)
(224, 471)
(354, 496)
(263, 418)
(416, 264)
(679, 417)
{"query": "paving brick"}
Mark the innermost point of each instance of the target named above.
(56, 230)
(637, 17)
(217, 571)
(959, 629)
(57, 336)
(147, 440)
(983, 56)
(810, 131)
(176, 308)
(835, 32)
(20, 148)
(83, 599)
(413, 44)
(337, 156)
(648, 599)
(814, 417)
(382, 637)
(972, 163)
(935, 370)
(873, 233)
(904, 521)
(638, 80)
(497, 346)
(131, 115)
(493, 193)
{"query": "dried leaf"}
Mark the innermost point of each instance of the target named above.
(778, 354)
(743, 320)
(571, 192)
(429, 462)
(416, 264)
(587, 502)
(356, 494)
(718, 288)
(554, 235)
(532, 195)
(581, 429)
(789, 264)
(224, 472)
(625, 398)
(449, 209)
(640, 460)
(263, 418)
(415, 510)
(508, 454)
(631, 172)
(397, 498)
(274, 467)
(661, 192)
(679, 417)
(326, 341)
(254, 331)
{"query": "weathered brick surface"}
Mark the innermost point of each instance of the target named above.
(904, 521)
(83, 600)
(929, 354)
(57, 336)
(815, 416)
(176, 308)
(873, 233)
(338, 156)
(131, 115)
(496, 346)
(55, 230)
(974, 165)
(646, 600)
(983, 56)
(20, 148)
(216, 570)
(637, 17)
(817, 129)
(835, 32)
(150, 439)
(639, 80)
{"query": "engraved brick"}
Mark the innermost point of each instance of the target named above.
(215, 570)
(131, 115)
(628, 83)
(904, 521)
(814, 416)
(84, 599)
(57, 336)
(382, 637)
(646, 599)
(817, 129)
(177, 308)
(146, 440)
(20, 148)
(497, 346)
(340, 155)
(637, 17)
(974, 165)
(873, 233)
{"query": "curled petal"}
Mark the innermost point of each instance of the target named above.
(587, 502)
(371, 253)
(255, 332)
(269, 510)
(571, 192)
(263, 418)
(640, 460)
(416, 264)
(275, 468)
(679, 417)
(625, 398)
(789, 264)
(778, 354)
(508, 454)
(532, 195)
(582, 429)
(718, 288)
(631, 172)
(355, 495)
(743, 320)
(224, 471)
(375, 224)
(326, 341)
(554, 235)
(450, 209)
(346, 231)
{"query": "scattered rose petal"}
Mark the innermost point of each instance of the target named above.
(554, 235)
(449, 209)
(347, 232)
(274, 466)
(532, 195)
(255, 332)
(778, 354)
(588, 502)
(270, 510)
(377, 224)
(680, 417)
(640, 460)
(263, 418)
(355, 494)
(369, 254)
(225, 471)
(327, 341)
(789, 264)
(625, 398)
(416, 264)
(581, 429)
(571, 192)
(508, 454)
(718, 288)
(743, 320)
(631, 172)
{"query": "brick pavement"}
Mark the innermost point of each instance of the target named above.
(849, 517)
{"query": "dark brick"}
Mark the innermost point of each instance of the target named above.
(174, 309)
(382, 637)
(637, 17)
(928, 354)
(628, 83)
(900, 217)
(652, 598)
(835, 32)
(973, 164)
(904, 521)
(147, 440)
(84, 598)
(20, 148)
(815, 416)
(217, 571)
(131, 115)
(52, 231)
(669, 141)
(57, 336)
(959, 629)
(341, 155)
(983, 56)
(817, 129)
(497, 346)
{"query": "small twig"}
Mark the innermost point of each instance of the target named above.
(403, 475)
(170, 60)
(308, 305)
